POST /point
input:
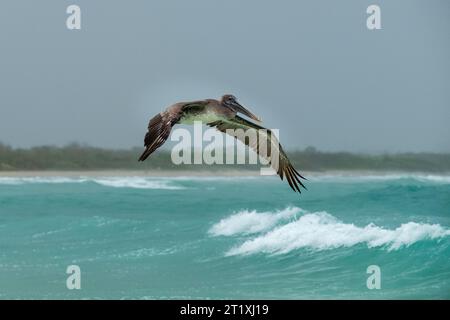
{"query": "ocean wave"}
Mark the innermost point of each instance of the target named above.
(115, 182)
(248, 222)
(316, 231)
(427, 178)
(434, 178)
(138, 183)
(175, 183)
(25, 180)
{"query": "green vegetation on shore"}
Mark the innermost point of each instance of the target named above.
(77, 157)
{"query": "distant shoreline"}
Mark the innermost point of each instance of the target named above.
(84, 159)
(198, 173)
(126, 173)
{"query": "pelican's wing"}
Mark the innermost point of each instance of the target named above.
(265, 145)
(159, 129)
(160, 125)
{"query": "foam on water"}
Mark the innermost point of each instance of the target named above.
(25, 180)
(116, 182)
(434, 178)
(426, 178)
(137, 183)
(142, 181)
(317, 231)
(248, 222)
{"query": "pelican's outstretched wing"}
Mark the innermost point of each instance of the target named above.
(160, 125)
(271, 145)
(159, 129)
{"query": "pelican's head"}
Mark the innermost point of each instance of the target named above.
(230, 101)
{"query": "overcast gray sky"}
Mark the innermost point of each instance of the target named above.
(310, 68)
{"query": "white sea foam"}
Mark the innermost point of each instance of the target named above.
(434, 178)
(317, 231)
(248, 222)
(137, 183)
(116, 182)
(24, 180)
(428, 178)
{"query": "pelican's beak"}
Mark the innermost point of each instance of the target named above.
(239, 108)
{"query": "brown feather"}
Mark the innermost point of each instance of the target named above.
(285, 168)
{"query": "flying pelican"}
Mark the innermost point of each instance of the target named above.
(222, 115)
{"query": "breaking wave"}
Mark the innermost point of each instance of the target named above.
(137, 183)
(115, 182)
(426, 178)
(248, 222)
(25, 180)
(316, 231)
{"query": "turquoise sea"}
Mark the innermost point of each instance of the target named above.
(225, 237)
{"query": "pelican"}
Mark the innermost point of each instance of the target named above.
(223, 115)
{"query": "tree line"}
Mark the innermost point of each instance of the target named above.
(80, 157)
